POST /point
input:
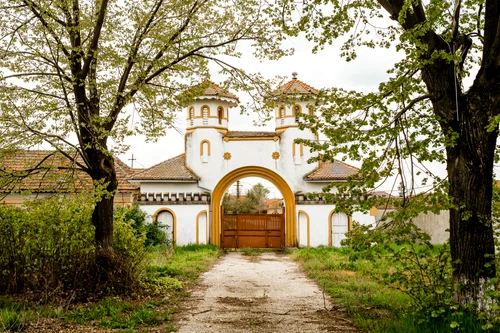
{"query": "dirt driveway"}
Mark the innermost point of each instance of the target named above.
(267, 293)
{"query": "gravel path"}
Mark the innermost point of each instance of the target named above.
(267, 293)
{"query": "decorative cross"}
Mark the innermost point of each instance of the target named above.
(132, 161)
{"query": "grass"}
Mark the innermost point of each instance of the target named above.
(166, 273)
(14, 316)
(373, 305)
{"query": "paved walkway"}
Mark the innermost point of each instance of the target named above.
(266, 293)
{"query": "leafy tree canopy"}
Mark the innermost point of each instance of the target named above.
(425, 112)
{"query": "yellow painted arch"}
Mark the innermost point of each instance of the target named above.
(255, 171)
(174, 222)
(208, 147)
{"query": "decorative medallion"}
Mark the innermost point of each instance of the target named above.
(227, 156)
(276, 155)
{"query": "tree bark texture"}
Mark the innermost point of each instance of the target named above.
(470, 170)
(464, 119)
(103, 170)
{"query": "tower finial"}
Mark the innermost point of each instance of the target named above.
(294, 75)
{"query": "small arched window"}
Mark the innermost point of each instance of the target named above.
(204, 151)
(205, 113)
(296, 112)
(220, 114)
(281, 114)
(191, 116)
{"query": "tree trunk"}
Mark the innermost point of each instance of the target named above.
(104, 175)
(470, 168)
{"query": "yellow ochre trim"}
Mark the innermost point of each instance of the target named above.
(206, 126)
(281, 112)
(308, 228)
(208, 110)
(293, 109)
(224, 112)
(301, 147)
(191, 108)
(174, 222)
(286, 126)
(201, 147)
(198, 225)
(255, 171)
(254, 138)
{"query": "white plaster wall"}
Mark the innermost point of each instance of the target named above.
(248, 152)
(202, 229)
(436, 225)
(318, 215)
(289, 119)
(213, 119)
(212, 168)
(302, 233)
(185, 221)
(364, 218)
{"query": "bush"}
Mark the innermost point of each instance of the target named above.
(154, 233)
(46, 246)
(48, 249)
(424, 272)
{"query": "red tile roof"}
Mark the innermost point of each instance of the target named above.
(330, 171)
(209, 88)
(295, 87)
(172, 169)
(36, 171)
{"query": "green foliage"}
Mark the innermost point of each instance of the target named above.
(422, 271)
(48, 249)
(14, 317)
(162, 283)
(46, 246)
(254, 202)
(119, 314)
(372, 291)
(154, 233)
(134, 51)
(436, 94)
(128, 240)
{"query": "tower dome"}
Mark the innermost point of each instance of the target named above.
(208, 106)
(293, 98)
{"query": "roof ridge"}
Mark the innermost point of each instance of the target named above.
(158, 164)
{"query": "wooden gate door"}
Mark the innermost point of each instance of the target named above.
(253, 230)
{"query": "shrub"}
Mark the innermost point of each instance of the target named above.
(155, 234)
(48, 249)
(45, 246)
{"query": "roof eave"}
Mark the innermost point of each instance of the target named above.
(161, 180)
(323, 180)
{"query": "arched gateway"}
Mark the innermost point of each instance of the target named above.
(254, 171)
(191, 185)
